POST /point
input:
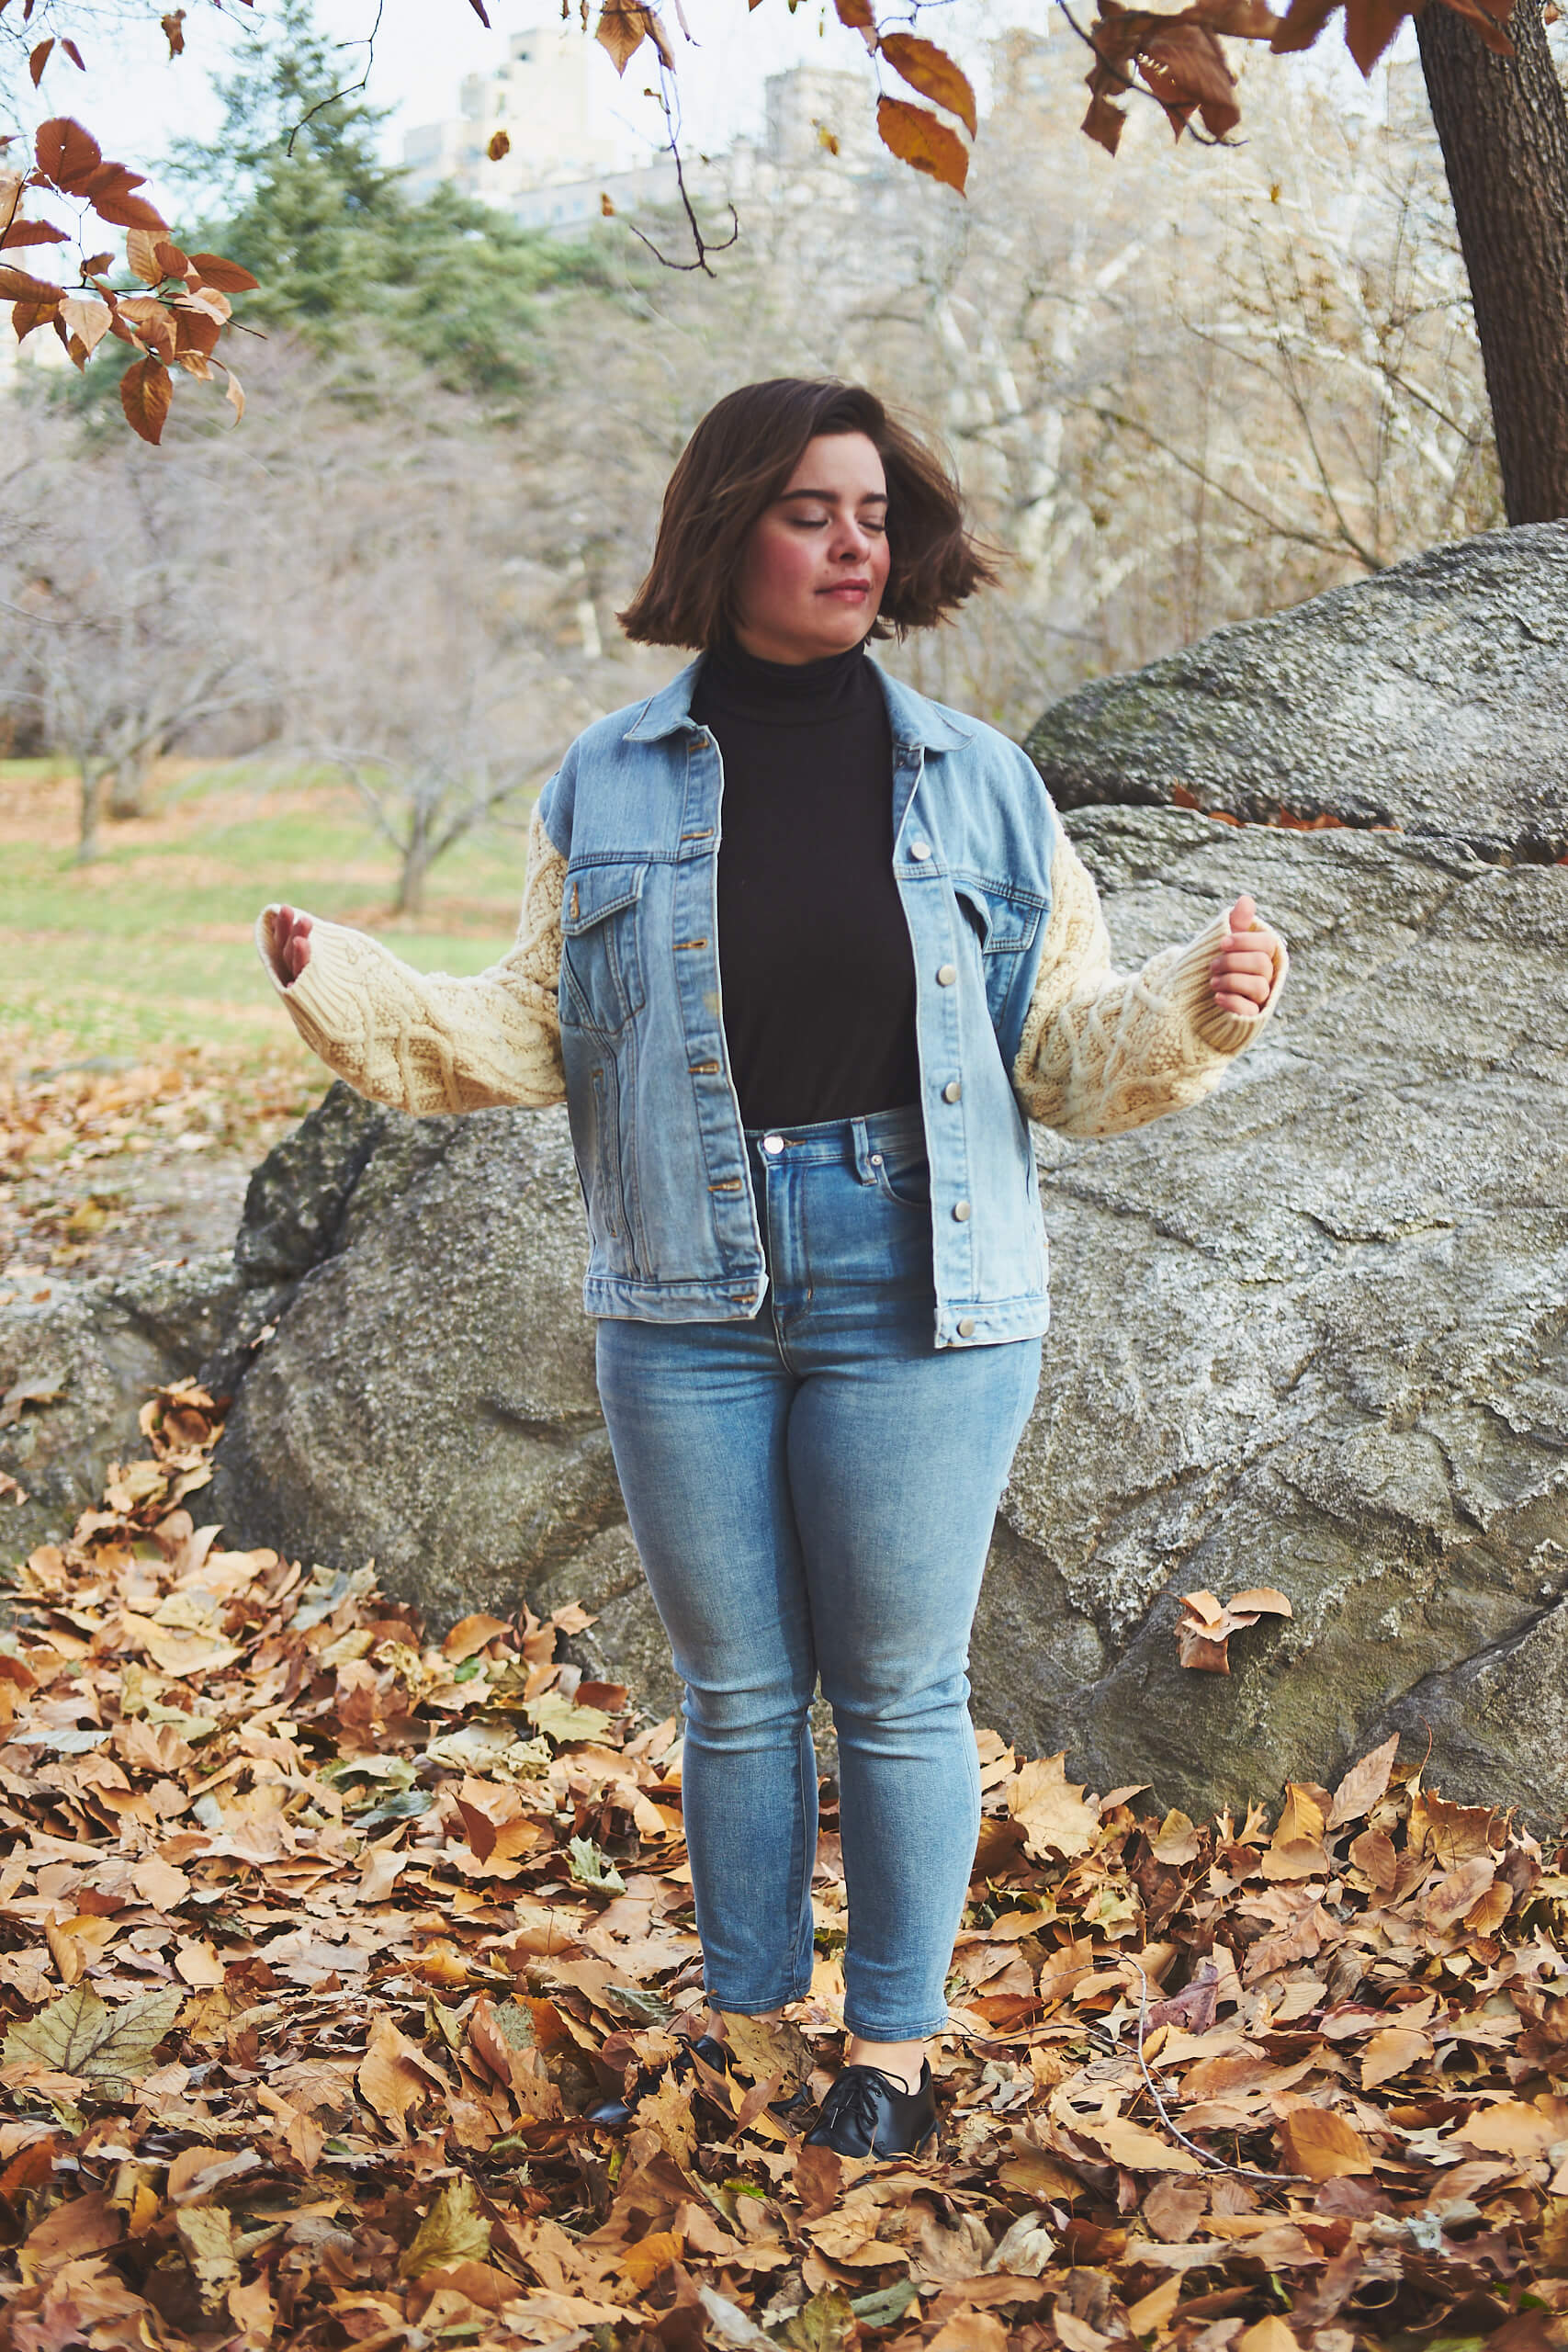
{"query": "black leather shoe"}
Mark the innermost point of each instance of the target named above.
(615, 2114)
(868, 2113)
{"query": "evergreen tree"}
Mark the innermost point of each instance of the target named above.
(293, 189)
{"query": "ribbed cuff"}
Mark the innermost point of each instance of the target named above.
(324, 998)
(1192, 991)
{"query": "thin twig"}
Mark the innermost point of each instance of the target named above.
(1293, 531)
(699, 241)
(349, 87)
(1204, 2155)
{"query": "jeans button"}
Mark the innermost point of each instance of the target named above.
(951, 1090)
(773, 1144)
(921, 851)
(962, 1212)
(946, 974)
(966, 1327)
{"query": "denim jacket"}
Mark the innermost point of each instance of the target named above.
(612, 998)
(636, 810)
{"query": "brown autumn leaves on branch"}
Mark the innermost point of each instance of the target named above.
(177, 323)
(1175, 57)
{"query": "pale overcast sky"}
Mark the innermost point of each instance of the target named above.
(135, 99)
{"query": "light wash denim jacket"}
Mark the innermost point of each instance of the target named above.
(636, 811)
(612, 998)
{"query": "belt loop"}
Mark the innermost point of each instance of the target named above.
(862, 1166)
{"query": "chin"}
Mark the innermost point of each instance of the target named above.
(844, 627)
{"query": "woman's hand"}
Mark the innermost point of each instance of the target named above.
(291, 943)
(1243, 972)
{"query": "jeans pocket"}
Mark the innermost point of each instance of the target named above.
(904, 1177)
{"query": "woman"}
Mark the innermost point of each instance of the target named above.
(799, 1051)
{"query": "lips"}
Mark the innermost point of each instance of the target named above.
(847, 589)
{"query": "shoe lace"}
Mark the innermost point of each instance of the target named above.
(853, 2098)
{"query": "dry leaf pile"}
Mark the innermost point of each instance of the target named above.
(319, 1938)
(75, 1142)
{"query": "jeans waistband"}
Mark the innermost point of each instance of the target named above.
(843, 1142)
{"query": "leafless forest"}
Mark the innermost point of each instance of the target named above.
(1181, 388)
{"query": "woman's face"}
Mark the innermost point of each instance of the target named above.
(816, 563)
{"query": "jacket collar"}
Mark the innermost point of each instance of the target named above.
(914, 719)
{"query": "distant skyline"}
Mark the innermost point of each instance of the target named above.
(136, 100)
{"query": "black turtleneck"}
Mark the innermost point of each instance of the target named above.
(815, 960)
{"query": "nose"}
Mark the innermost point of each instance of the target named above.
(852, 541)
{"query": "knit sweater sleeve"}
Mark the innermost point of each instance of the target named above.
(1103, 1050)
(427, 1043)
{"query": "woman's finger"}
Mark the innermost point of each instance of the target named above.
(290, 943)
(1241, 996)
(1232, 959)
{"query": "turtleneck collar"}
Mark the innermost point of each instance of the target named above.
(783, 693)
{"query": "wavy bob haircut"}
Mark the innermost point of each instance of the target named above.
(739, 460)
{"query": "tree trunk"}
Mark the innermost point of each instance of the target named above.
(128, 788)
(410, 881)
(1503, 122)
(92, 796)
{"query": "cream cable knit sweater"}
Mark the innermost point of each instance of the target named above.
(1102, 1050)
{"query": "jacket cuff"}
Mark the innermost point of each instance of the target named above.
(1191, 991)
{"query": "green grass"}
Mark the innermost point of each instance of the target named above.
(152, 944)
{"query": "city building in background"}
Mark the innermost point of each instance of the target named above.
(545, 97)
(566, 155)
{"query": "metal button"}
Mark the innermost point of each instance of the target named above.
(773, 1143)
(921, 850)
(877, 1159)
(946, 974)
(966, 1327)
(951, 1090)
(962, 1212)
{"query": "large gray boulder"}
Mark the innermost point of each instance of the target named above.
(1308, 1334)
(1313, 1333)
(1430, 698)
(427, 1399)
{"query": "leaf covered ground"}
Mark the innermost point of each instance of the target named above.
(319, 1937)
(107, 1163)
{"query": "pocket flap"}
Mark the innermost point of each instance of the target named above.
(593, 893)
(1005, 925)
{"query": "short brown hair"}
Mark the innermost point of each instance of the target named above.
(739, 460)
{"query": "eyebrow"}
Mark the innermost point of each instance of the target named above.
(867, 498)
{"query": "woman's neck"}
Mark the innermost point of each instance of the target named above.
(782, 651)
(746, 682)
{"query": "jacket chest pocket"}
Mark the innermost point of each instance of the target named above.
(1003, 929)
(602, 976)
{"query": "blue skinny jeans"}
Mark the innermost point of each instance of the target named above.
(812, 1494)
